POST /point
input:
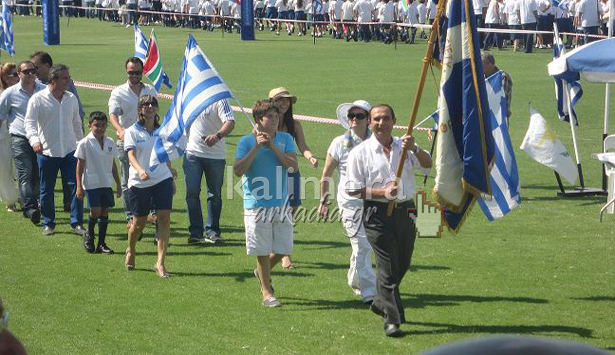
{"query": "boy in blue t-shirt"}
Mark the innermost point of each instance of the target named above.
(263, 158)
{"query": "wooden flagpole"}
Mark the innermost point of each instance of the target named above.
(435, 30)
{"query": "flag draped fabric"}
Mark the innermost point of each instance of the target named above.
(141, 44)
(199, 85)
(6, 28)
(542, 145)
(565, 89)
(504, 176)
(152, 67)
(465, 147)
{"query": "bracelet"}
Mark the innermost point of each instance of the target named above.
(218, 135)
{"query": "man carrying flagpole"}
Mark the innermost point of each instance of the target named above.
(123, 104)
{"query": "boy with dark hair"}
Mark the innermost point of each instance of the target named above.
(95, 171)
(263, 158)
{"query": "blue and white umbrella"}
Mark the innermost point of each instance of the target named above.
(595, 61)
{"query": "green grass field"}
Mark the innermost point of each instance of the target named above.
(544, 270)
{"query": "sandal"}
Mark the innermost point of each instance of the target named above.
(130, 260)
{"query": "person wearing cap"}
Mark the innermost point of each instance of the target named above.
(371, 172)
(355, 118)
(284, 101)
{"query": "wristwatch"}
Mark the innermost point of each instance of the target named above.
(219, 136)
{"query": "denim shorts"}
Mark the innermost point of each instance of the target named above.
(159, 196)
(100, 198)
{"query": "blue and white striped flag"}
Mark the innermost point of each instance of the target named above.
(141, 44)
(465, 147)
(317, 6)
(199, 86)
(6, 36)
(504, 177)
(565, 89)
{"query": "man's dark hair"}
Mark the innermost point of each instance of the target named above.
(262, 107)
(97, 116)
(383, 105)
(133, 60)
(55, 71)
(44, 57)
(487, 56)
(24, 62)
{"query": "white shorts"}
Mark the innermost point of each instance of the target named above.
(268, 231)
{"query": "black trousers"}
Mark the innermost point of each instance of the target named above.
(529, 38)
(392, 239)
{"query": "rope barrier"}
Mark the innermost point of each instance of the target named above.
(306, 118)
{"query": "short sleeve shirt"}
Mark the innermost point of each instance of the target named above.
(209, 122)
(138, 138)
(124, 102)
(339, 149)
(265, 183)
(98, 171)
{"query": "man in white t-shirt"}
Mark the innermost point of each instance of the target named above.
(528, 15)
(348, 17)
(363, 12)
(589, 12)
(205, 155)
(387, 15)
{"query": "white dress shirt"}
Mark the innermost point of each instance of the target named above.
(55, 124)
(368, 166)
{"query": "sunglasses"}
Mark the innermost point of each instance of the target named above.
(12, 75)
(135, 72)
(359, 116)
(30, 71)
(149, 104)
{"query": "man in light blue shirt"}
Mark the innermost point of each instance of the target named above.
(13, 106)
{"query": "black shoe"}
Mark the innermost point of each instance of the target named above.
(88, 243)
(35, 216)
(392, 330)
(103, 248)
(195, 240)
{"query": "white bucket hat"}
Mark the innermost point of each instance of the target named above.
(342, 111)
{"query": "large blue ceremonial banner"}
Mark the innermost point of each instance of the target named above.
(51, 22)
(247, 20)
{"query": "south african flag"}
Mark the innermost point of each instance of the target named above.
(152, 68)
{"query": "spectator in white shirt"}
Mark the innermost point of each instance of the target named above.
(528, 15)
(511, 12)
(53, 127)
(492, 20)
(589, 12)
(363, 11)
(348, 20)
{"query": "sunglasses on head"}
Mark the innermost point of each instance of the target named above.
(30, 71)
(135, 72)
(359, 116)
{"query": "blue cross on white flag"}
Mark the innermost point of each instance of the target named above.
(6, 28)
(565, 89)
(504, 177)
(198, 87)
(141, 44)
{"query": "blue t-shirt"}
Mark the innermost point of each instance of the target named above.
(265, 184)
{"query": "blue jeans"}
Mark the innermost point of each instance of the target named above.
(27, 173)
(194, 168)
(48, 170)
(529, 38)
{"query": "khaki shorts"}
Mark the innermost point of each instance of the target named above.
(268, 231)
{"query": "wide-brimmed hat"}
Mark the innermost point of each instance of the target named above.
(282, 92)
(342, 111)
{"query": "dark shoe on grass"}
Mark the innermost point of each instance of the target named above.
(104, 249)
(88, 242)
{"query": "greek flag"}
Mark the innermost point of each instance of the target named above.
(565, 89)
(6, 28)
(465, 147)
(141, 44)
(317, 6)
(504, 176)
(199, 86)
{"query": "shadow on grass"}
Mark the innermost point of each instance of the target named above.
(425, 300)
(323, 244)
(316, 304)
(238, 276)
(596, 298)
(184, 253)
(331, 266)
(445, 328)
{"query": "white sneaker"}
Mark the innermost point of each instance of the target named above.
(271, 302)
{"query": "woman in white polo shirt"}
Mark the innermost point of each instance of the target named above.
(147, 188)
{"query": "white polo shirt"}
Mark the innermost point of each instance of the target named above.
(526, 11)
(348, 10)
(364, 8)
(138, 138)
(55, 124)
(98, 172)
(510, 8)
(124, 103)
(588, 11)
(368, 166)
(339, 149)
